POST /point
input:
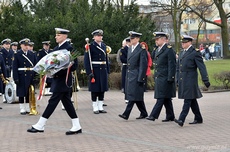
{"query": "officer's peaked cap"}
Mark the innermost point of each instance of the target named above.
(61, 31)
(31, 43)
(157, 35)
(98, 32)
(14, 44)
(186, 38)
(127, 39)
(134, 34)
(24, 41)
(46, 42)
(6, 41)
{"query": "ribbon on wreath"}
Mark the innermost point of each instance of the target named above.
(42, 86)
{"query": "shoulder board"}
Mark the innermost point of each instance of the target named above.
(0, 52)
(143, 47)
(51, 49)
(197, 50)
(15, 52)
(169, 46)
(40, 50)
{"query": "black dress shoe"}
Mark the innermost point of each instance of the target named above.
(179, 122)
(33, 130)
(102, 111)
(196, 122)
(141, 117)
(73, 132)
(104, 105)
(167, 120)
(0, 107)
(150, 118)
(96, 112)
(123, 116)
(23, 113)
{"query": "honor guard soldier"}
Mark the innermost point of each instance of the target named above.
(189, 60)
(2, 77)
(31, 46)
(123, 59)
(164, 77)
(137, 62)
(14, 46)
(23, 74)
(40, 54)
(61, 90)
(8, 56)
(97, 68)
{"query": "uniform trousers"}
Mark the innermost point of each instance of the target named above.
(140, 106)
(195, 109)
(66, 101)
(100, 96)
(21, 99)
(123, 76)
(167, 102)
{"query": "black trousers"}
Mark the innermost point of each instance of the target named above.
(195, 109)
(53, 102)
(100, 96)
(123, 76)
(167, 102)
(21, 99)
(140, 106)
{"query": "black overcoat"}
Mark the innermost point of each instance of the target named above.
(100, 71)
(2, 71)
(137, 63)
(164, 74)
(188, 76)
(8, 57)
(59, 83)
(25, 77)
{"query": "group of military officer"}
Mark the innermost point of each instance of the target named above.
(169, 70)
(134, 59)
(20, 62)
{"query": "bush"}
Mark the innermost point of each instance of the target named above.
(150, 82)
(224, 78)
(115, 80)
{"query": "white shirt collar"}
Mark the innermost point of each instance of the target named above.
(61, 43)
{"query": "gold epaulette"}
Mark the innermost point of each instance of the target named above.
(40, 50)
(197, 50)
(169, 46)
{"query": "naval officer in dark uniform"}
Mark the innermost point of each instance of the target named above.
(164, 77)
(40, 54)
(189, 60)
(137, 63)
(8, 56)
(61, 90)
(97, 58)
(123, 59)
(23, 74)
(14, 46)
(2, 76)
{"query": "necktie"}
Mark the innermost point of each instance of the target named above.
(183, 52)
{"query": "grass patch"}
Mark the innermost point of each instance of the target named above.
(216, 66)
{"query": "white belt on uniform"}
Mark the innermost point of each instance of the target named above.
(98, 62)
(28, 69)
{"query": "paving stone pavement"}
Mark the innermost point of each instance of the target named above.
(110, 133)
